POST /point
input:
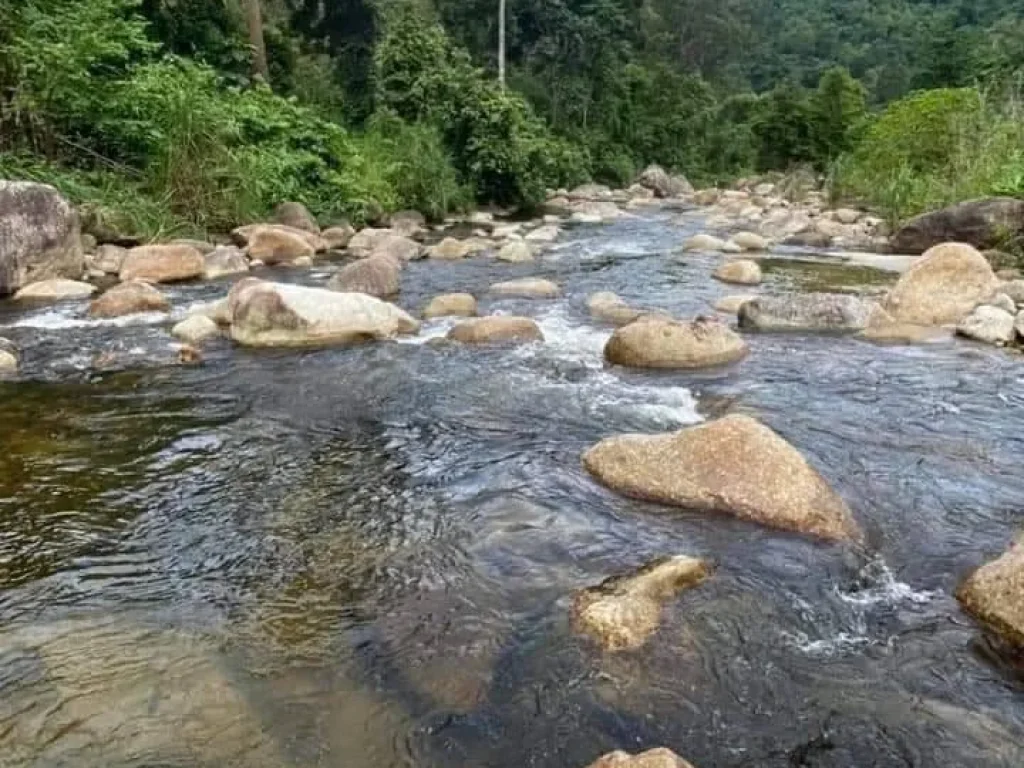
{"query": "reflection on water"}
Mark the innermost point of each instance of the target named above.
(364, 557)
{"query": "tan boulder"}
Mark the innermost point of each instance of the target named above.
(219, 311)
(740, 272)
(516, 251)
(451, 304)
(528, 288)
(128, 298)
(941, 287)
(652, 758)
(374, 276)
(453, 249)
(655, 341)
(296, 215)
(705, 197)
(277, 245)
(623, 611)
(730, 305)
(750, 241)
(733, 465)
(397, 247)
(847, 215)
(108, 258)
(704, 242)
(610, 308)
(224, 260)
(496, 328)
(242, 237)
(203, 246)
(338, 237)
(40, 235)
(57, 289)
(546, 234)
(994, 594)
(407, 223)
(195, 329)
(8, 358)
(266, 314)
(162, 263)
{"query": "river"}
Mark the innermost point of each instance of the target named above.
(365, 557)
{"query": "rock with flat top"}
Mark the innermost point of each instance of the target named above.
(129, 298)
(654, 341)
(994, 594)
(451, 304)
(610, 308)
(622, 612)
(733, 465)
(830, 312)
(496, 328)
(528, 288)
(162, 264)
(652, 758)
(57, 289)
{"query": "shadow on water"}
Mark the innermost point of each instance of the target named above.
(364, 557)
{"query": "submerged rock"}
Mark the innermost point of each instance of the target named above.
(988, 324)
(886, 331)
(266, 314)
(610, 308)
(655, 341)
(374, 276)
(449, 304)
(740, 272)
(162, 264)
(995, 594)
(195, 329)
(296, 215)
(985, 223)
(8, 357)
(941, 287)
(652, 758)
(734, 465)
(40, 236)
(807, 312)
(129, 298)
(623, 611)
(528, 288)
(496, 328)
(224, 260)
(55, 290)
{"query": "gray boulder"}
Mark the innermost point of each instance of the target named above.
(807, 312)
(40, 236)
(992, 222)
(988, 324)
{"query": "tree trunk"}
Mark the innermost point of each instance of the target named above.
(501, 44)
(254, 18)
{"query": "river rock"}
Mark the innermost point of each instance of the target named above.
(397, 247)
(195, 329)
(496, 328)
(941, 287)
(652, 758)
(266, 314)
(218, 311)
(374, 276)
(986, 223)
(740, 272)
(655, 341)
(40, 236)
(162, 264)
(595, 211)
(623, 611)
(202, 246)
(8, 357)
(56, 289)
(338, 237)
(516, 251)
(809, 239)
(610, 308)
(277, 245)
(108, 258)
(994, 594)
(706, 197)
(730, 305)
(1018, 325)
(129, 298)
(546, 234)
(224, 260)
(847, 215)
(734, 465)
(590, 192)
(704, 242)
(884, 330)
(452, 249)
(528, 288)
(451, 304)
(656, 179)
(296, 215)
(988, 324)
(750, 241)
(807, 312)
(1003, 302)
(1015, 290)
(407, 223)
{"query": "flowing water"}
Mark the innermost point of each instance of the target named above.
(364, 557)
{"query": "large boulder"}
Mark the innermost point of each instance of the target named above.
(652, 758)
(995, 594)
(623, 611)
(162, 264)
(195, 329)
(374, 276)
(451, 304)
(739, 272)
(338, 237)
(515, 252)
(610, 308)
(407, 223)
(202, 246)
(8, 357)
(57, 289)
(243, 236)
(129, 298)
(734, 465)
(993, 222)
(941, 287)
(527, 288)
(277, 245)
(224, 260)
(40, 236)
(296, 215)
(655, 341)
(266, 314)
(988, 324)
(832, 312)
(496, 328)
(658, 180)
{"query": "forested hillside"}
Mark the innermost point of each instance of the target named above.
(166, 115)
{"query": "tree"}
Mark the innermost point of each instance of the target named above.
(254, 21)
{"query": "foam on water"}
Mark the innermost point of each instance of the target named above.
(58, 319)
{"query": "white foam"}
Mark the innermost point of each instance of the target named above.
(884, 589)
(56, 319)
